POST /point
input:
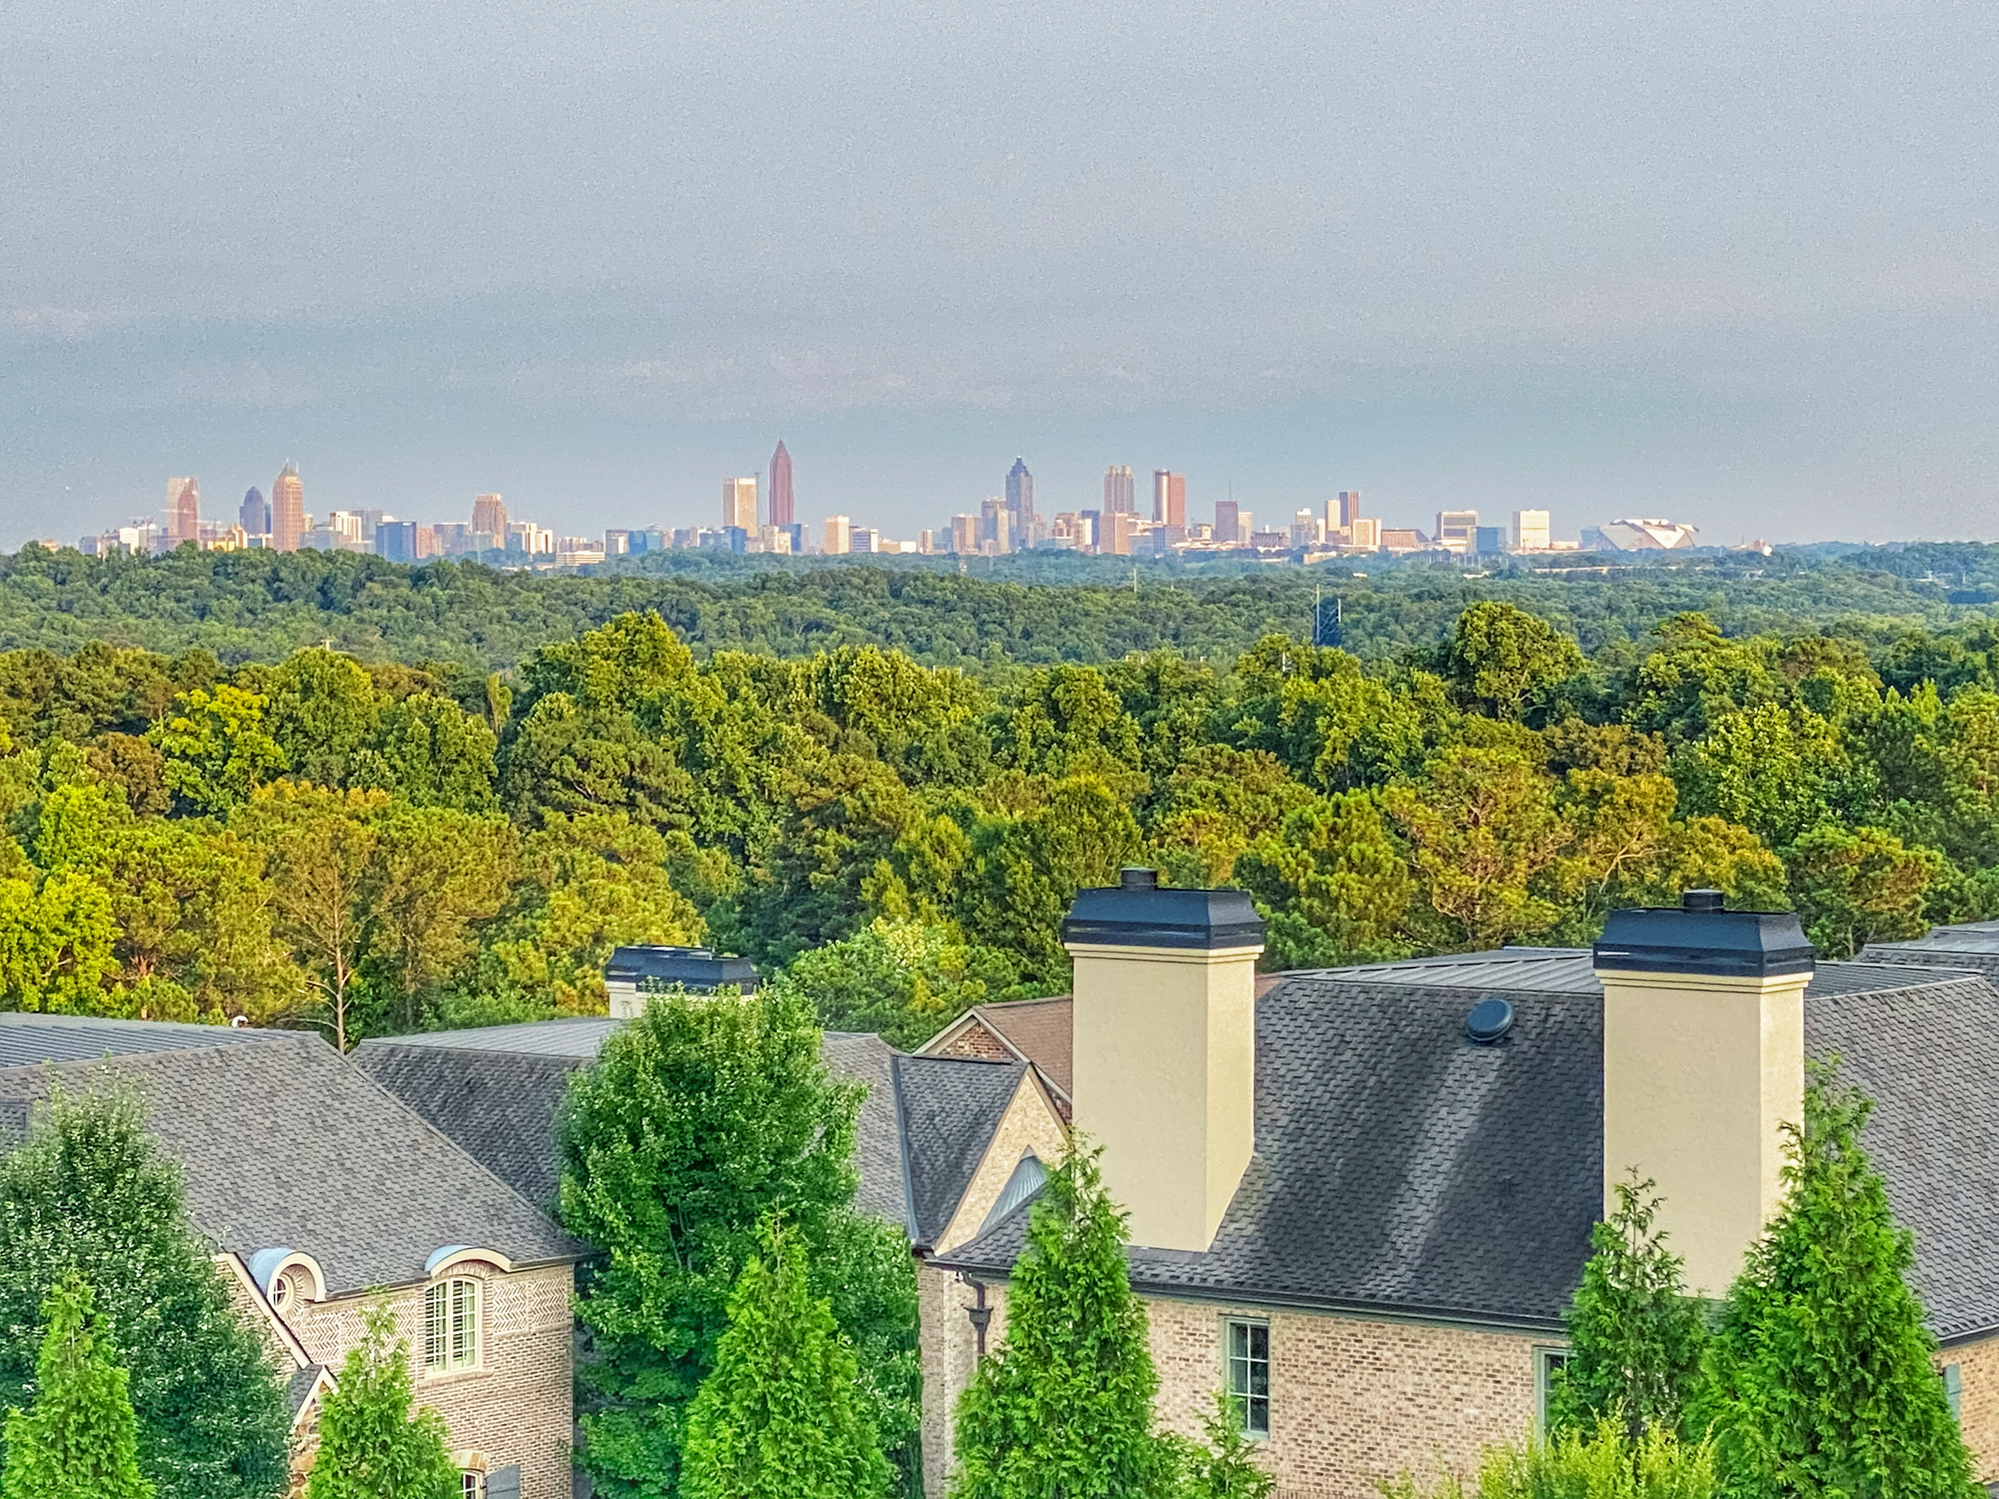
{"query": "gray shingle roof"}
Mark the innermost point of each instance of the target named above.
(32, 1039)
(948, 1108)
(497, 1091)
(1402, 1170)
(284, 1144)
(1973, 946)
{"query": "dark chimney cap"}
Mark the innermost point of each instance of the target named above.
(696, 969)
(1699, 937)
(1137, 913)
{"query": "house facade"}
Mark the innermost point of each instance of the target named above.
(1361, 1201)
(323, 1196)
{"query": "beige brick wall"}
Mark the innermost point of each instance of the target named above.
(1978, 1402)
(516, 1408)
(1352, 1400)
(1030, 1123)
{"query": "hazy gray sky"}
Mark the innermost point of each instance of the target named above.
(1736, 263)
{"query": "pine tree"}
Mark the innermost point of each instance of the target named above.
(80, 1440)
(1063, 1409)
(371, 1446)
(779, 1417)
(1820, 1377)
(91, 1192)
(1635, 1335)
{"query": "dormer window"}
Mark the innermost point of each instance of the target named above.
(451, 1327)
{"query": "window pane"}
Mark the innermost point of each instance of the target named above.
(1249, 1374)
(464, 1324)
(434, 1329)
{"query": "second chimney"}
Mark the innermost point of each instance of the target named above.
(1703, 1063)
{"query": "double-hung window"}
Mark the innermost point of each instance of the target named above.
(1249, 1373)
(451, 1327)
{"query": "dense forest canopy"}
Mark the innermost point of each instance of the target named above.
(1033, 608)
(371, 845)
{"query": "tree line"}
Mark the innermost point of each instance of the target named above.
(1029, 609)
(375, 848)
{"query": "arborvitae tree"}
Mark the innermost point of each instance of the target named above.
(91, 1192)
(701, 1118)
(80, 1440)
(1635, 1336)
(1064, 1407)
(779, 1417)
(1820, 1378)
(371, 1444)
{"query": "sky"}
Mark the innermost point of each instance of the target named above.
(1729, 263)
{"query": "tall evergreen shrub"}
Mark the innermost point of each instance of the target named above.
(80, 1440)
(1821, 1380)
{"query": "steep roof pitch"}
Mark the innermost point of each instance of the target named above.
(285, 1145)
(947, 1109)
(1041, 1031)
(1402, 1170)
(497, 1091)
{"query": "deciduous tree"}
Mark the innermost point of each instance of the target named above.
(373, 1443)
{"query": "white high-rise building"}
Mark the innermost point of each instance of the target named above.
(1530, 530)
(839, 536)
(739, 504)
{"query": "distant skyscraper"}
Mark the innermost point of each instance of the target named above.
(1226, 520)
(489, 517)
(839, 535)
(255, 516)
(1169, 499)
(783, 511)
(1457, 530)
(739, 504)
(1349, 504)
(183, 511)
(1020, 502)
(1530, 530)
(1120, 498)
(287, 510)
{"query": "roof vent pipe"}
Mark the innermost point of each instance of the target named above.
(1137, 877)
(1703, 900)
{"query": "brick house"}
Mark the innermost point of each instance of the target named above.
(321, 1193)
(1360, 1202)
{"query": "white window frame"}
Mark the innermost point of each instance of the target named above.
(452, 1335)
(1242, 1393)
(472, 1484)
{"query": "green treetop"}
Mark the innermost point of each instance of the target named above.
(779, 1417)
(1820, 1379)
(702, 1118)
(1064, 1406)
(371, 1444)
(1635, 1335)
(91, 1194)
(80, 1440)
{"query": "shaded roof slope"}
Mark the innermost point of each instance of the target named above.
(497, 1091)
(1402, 1169)
(285, 1145)
(1973, 946)
(948, 1109)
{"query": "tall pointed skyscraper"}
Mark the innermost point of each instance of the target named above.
(783, 513)
(287, 510)
(1020, 503)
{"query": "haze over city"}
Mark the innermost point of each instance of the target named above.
(1736, 268)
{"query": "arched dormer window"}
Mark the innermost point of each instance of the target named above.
(451, 1341)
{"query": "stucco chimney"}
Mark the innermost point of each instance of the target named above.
(1165, 1037)
(1703, 1063)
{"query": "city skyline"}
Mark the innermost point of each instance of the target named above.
(1001, 525)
